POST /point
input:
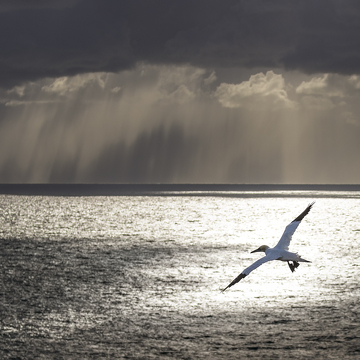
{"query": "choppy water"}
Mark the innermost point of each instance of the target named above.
(139, 277)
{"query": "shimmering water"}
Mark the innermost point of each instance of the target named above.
(139, 277)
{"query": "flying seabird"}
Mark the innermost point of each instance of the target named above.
(278, 252)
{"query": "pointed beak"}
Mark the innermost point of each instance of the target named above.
(257, 250)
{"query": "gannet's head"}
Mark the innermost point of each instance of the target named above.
(262, 248)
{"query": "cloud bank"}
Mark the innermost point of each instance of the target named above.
(181, 124)
(268, 88)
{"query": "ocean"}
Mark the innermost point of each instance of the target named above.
(139, 276)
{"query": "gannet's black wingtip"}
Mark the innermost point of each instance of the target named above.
(236, 280)
(293, 266)
(305, 212)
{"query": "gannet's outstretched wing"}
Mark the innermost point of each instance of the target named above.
(290, 229)
(249, 269)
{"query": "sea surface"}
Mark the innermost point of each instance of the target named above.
(140, 277)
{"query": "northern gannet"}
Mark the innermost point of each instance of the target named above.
(278, 252)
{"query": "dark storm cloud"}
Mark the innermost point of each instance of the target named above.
(14, 5)
(44, 39)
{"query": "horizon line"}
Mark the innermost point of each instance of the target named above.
(108, 189)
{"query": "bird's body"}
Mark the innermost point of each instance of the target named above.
(278, 252)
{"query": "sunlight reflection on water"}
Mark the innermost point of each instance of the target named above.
(145, 273)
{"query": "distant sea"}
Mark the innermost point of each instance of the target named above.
(161, 189)
(136, 272)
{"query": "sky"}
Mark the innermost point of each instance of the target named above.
(190, 91)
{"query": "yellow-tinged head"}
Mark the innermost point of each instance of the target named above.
(262, 248)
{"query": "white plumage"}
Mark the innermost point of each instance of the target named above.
(278, 252)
